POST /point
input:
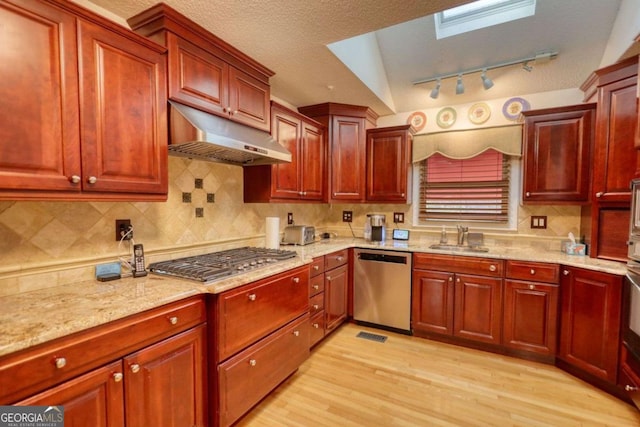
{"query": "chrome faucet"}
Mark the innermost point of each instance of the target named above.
(462, 231)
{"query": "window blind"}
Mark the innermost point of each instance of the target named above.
(475, 189)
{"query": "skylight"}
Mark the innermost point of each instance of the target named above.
(481, 14)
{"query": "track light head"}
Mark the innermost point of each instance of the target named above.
(459, 85)
(487, 83)
(435, 92)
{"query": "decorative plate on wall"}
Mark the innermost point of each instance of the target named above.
(418, 120)
(446, 117)
(513, 107)
(479, 113)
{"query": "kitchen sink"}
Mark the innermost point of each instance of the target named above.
(459, 248)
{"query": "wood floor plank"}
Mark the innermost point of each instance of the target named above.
(408, 381)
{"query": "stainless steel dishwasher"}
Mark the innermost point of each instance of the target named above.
(382, 289)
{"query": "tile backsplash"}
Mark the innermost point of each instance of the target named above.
(37, 238)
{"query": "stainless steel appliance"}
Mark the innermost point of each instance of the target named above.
(210, 267)
(298, 235)
(631, 288)
(378, 228)
(382, 289)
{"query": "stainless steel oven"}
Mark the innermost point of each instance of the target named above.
(634, 223)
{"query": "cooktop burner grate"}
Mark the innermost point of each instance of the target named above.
(217, 265)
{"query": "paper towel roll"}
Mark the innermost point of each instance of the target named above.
(272, 233)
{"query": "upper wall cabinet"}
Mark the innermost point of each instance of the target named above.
(304, 179)
(388, 164)
(205, 72)
(557, 147)
(73, 130)
(346, 131)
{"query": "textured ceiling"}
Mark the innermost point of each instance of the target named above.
(290, 38)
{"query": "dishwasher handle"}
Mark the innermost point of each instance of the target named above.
(395, 259)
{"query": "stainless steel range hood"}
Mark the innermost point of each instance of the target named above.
(199, 135)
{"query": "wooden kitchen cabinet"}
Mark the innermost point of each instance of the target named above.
(205, 72)
(82, 135)
(557, 147)
(122, 371)
(304, 179)
(616, 161)
(346, 127)
(261, 337)
(388, 164)
(530, 322)
(590, 322)
(457, 296)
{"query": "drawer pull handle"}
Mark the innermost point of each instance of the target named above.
(173, 320)
(135, 368)
(252, 297)
(533, 272)
(61, 362)
(630, 388)
(316, 267)
(492, 267)
(316, 287)
(316, 325)
(450, 279)
(457, 280)
(117, 377)
(565, 272)
(340, 258)
(92, 180)
(296, 280)
(532, 287)
(296, 333)
(599, 194)
(75, 179)
(316, 306)
(329, 278)
(252, 362)
(527, 194)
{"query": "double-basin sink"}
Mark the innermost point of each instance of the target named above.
(458, 248)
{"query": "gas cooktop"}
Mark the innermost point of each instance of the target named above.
(217, 265)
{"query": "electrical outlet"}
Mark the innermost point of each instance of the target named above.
(347, 216)
(122, 227)
(398, 217)
(290, 218)
(539, 221)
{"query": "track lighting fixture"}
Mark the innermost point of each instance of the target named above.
(459, 85)
(487, 83)
(436, 90)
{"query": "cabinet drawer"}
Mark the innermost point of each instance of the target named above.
(316, 304)
(317, 266)
(459, 264)
(336, 259)
(246, 378)
(251, 312)
(536, 271)
(317, 328)
(316, 285)
(27, 372)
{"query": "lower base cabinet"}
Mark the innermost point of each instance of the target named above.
(590, 322)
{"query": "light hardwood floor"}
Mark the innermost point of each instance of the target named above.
(409, 381)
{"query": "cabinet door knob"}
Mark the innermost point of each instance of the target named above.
(565, 272)
(630, 388)
(328, 278)
(533, 272)
(173, 320)
(458, 280)
(316, 306)
(315, 325)
(74, 179)
(253, 362)
(450, 279)
(296, 280)
(316, 267)
(60, 362)
(527, 194)
(599, 194)
(252, 297)
(340, 258)
(92, 180)
(117, 377)
(532, 287)
(296, 333)
(316, 287)
(492, 267)
(135, 368)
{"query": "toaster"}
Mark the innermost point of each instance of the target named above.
(299, 235)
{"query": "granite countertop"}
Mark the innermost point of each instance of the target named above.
(36, 317)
